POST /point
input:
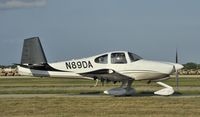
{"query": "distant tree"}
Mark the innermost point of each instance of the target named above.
(8, 66)
(198, 66)
(2, 66)
(190, 65)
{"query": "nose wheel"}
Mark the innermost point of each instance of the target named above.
(168, 90)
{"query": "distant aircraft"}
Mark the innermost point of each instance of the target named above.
(117, 66)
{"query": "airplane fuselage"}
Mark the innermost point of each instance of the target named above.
(138, 70)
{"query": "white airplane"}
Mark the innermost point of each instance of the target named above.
(117, 66)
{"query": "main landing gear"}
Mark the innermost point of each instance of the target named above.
(124, 89)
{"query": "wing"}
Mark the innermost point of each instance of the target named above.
(107, 75)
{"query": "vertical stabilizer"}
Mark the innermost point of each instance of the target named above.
(33, 52)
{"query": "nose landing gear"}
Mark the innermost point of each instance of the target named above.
(168, 90)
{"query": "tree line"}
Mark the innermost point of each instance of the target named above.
(191, 65)
(8, 66)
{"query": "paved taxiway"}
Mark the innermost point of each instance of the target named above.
(89, 95)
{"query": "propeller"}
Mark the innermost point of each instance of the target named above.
(177, 75)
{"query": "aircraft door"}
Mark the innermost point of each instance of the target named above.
(118, 60)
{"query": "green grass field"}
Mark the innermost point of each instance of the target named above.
(94, 106)
(100, 107)
(31, 85)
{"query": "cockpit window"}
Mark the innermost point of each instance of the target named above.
(118, 58)
(134, 57)
(102, 59)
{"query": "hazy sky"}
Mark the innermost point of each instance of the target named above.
(80, 28)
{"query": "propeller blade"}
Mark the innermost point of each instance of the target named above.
(177, 76)
(177, 80)
(176, 55)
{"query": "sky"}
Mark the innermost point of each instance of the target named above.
(70, 29)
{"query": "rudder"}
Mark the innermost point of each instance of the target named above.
(32, 52)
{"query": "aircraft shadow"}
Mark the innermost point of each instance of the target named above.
(139, 94)
(149, 93)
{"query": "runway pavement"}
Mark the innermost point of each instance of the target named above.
(90, 95)
(48, 95)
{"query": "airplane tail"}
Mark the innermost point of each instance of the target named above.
(33, 53)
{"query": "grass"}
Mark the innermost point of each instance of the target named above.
(71, 86)
(94, 106)
(100, 107)
(46, 86)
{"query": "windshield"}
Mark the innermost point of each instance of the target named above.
(133, 57)
(102, 59)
